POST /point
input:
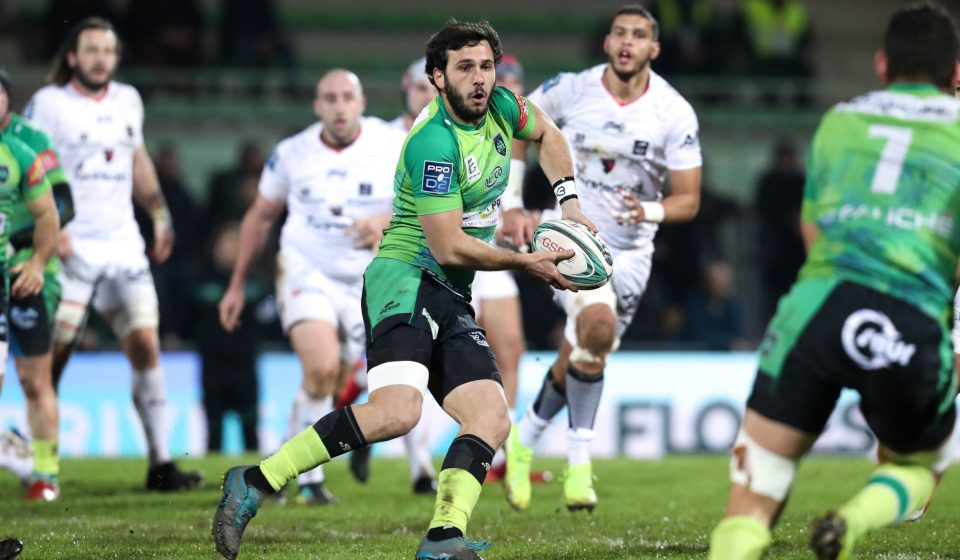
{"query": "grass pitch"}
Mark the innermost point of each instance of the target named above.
(662, 509)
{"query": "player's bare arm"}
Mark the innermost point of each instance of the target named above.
(369, 231)
(554, 155)
(809, 231)
(147, 193)
(254, 230)
(451, 246)
(47, 224)
(681, 206)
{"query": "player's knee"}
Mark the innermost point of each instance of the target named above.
(493, 426)
(34, 386)
(596, 329)
(398, 408)
(143, 348)
(68, 320)
(759, 470)
(136, 318)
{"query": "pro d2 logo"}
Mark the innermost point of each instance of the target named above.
(873, 342)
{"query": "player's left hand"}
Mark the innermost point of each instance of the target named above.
(517, 230)
(633, 212)
(29, 280)
(163, 238)
(368, 232)
(571, 211)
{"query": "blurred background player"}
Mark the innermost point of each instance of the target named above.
(31, 318)
(23, 181)
(869, 311)
(97, 124)
(335, 180)
(628, 129)
(10, 548)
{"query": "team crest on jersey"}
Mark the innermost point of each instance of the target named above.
(640, 147)
(499, 144)
(366, 189)
(108, 153)
(437, 177)
(608, 164)
(4, 173)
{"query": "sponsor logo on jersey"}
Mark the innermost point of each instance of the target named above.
(611, 126)
(689, 141)
(24, 317)
(108, 153)
(872, 341)
(579, 138)
(339, 173)
(389, 306)
(494, 177)
(36, 173)
(608, 164)
(437, 177)
(129, 131)
(549, 84)
(4, 173)
(336, 210)
(473, 169)
(499, 144)
(50, 160)
(478, 337)
(365, 189)
(640, 147)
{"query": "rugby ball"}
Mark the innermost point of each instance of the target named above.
(592, 264)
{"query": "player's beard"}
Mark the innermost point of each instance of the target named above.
(459, 104)
(89, 83)
(627, 75)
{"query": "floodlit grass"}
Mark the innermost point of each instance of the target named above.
(662, 509)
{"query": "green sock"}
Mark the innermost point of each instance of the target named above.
(739, 538)
(45, 460)
(302, 453)
(891, 493)
(457, 495)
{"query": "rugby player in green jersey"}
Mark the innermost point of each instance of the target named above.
(421, 332)
(871, 305)
(31, 318)
(22, 177)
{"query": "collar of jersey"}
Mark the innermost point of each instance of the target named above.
(915, 87)
(449, 118)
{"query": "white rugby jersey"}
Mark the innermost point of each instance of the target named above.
(96, 138)
(621, 146)
(326, 189)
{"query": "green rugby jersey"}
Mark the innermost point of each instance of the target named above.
(22, 177)
(883, 187)
(20, 217)
(446, 166)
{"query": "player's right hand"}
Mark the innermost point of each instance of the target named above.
(543, 265)
(64, 246)
(231, 306)
(29, 279)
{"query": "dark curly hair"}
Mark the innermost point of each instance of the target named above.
(454, 36)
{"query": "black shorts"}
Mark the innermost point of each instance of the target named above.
(898, 358)
(441, 333)
(31, 319)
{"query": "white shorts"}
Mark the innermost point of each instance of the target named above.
(306, 294)
(631, 271)
(112, 276)
(493, 284)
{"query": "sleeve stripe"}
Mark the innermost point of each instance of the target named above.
(523, 111)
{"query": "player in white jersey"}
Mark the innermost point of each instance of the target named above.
(335, 179)
(628, 131)
(97, 124)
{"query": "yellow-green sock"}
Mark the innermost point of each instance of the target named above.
(891, 493)
(302, 453)
(739, 538)
(457, 494)
(45, 460)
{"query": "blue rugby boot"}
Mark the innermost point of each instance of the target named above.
(456, 548)
(238, 506)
